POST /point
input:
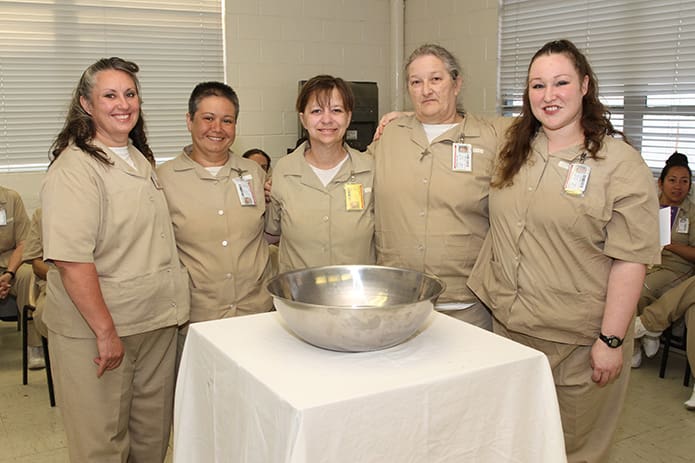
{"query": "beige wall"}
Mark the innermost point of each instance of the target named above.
(272, 44)
(469, 30)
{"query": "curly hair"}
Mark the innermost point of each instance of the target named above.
(79, 126)
(595, 118)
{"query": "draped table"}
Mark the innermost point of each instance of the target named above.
(249, 391)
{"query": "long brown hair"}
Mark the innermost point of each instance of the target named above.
(79, 126)
(595, 120)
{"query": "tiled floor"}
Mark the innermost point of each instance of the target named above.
(654, 427)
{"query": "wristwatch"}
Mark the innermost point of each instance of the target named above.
(611, 341)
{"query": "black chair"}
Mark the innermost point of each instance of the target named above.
(679, 342)
(9, 311)
(27, 314)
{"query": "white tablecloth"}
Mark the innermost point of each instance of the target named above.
(250, 391)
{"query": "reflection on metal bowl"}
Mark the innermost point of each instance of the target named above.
(355, 308)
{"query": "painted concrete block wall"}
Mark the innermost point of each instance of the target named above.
(467, 28)
(273, 44)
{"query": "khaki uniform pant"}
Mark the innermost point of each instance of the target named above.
(589, 413)
(656, 283)
(21, 286)
(126, 415)
(477, 315)
(675, 303)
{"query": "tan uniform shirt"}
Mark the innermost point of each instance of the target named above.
(315, 226)
(543, 270)
(219, 240)
(14, 224)
(33, 247)
(115, 217)
(429, 217)
(669, 259)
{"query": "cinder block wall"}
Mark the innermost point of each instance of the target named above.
(272, 44)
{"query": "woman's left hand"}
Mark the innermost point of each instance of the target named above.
(606, 362)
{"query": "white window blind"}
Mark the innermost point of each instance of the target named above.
(45, 45)
(643, 53)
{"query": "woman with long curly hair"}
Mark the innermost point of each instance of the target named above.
(116, 290)
(573, 224)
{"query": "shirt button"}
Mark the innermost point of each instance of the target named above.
(420, 247)
(220, 212)
(325, 218)
(422, 213)
(225, 243)
(173, 304)
(424, 180)
(228, 276)
(530, 188)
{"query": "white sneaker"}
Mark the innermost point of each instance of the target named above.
(641, 331)
(650, 345)
(690, 403)
(35, 360)
(637, 357)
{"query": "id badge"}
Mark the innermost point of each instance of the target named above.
(577, 179)
(354, 197)
(244, 190)
(3, 216)
(461, 157)
(683, 225)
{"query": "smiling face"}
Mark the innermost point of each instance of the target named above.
(114, 105)
(325, 119)
(213, 130)
(675, 186)
(432, 90)
(555, 91)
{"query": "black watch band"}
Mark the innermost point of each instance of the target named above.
(611, 341)
(12, 274)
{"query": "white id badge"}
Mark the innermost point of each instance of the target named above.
(3, 216)
(244, 190)
(577, 179)
(461, 157)
(683, 225)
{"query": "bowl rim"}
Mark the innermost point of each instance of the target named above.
(441, 282)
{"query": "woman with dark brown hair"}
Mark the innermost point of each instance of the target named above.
(573, 224)
(322, 204)
(116, 290)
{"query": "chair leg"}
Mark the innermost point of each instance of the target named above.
(25, 324)
(664, 355)
(49, 375)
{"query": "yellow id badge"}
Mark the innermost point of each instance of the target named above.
(354, 197)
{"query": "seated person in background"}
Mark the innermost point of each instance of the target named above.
(33, 254)
(672, 305)
(321, 198)
(15, 277)
(259, 156)
(677, 258)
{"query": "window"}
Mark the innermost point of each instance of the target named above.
(46, 44)
(643, 53)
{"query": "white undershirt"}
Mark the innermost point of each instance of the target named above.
(214, 170)
(122, 152)
(326, 175)
(434, 130)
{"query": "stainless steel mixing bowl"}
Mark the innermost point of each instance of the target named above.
(355, 308)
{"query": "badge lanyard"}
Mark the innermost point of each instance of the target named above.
(577, 177)
(243, 188)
